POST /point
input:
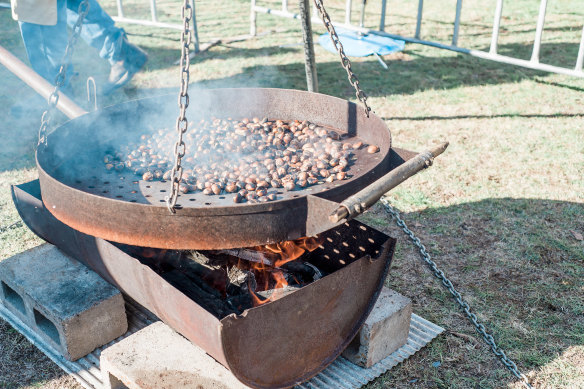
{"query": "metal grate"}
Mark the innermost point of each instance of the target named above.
(341, 374)
(88, 174)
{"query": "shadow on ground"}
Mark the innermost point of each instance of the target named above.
(519, 264)
(408, 73)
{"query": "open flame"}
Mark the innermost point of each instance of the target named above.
(291, 249)
(288, 251)
(265, 262)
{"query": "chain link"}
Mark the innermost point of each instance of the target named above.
(439, 274)
(345, 61)
(12, 226)
(61, 76)
(183, 103)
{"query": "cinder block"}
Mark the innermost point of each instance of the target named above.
(385, 330)
(69, 305)
(157, 357)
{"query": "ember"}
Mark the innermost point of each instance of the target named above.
(285, 252)
(231, 281)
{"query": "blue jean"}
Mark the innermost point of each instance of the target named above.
(45, 45)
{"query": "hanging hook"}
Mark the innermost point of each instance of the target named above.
(91, 97)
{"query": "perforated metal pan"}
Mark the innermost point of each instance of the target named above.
(78, 190)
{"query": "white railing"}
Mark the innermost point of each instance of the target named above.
(492, 54)
(154, 22)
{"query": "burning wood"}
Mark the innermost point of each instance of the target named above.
(240, 280)
(231, 281)
(251, 255)
(280, 254)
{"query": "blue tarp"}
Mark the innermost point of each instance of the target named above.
(356, 45)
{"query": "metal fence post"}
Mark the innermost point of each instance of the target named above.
(153, 12)
(348, 5)
(382, 19)
(195, 28)
(253, 20)
(539, 31)
(309, 60)
(419, 19)
(456, 23)
(580, 59)
(496, 26)
(120, 8)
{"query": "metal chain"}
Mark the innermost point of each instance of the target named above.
(439, 274)
(62, 75)
(345, 61)
(183, 102)
(12, 226)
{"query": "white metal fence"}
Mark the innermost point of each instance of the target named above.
(154, 22)
(492, 54)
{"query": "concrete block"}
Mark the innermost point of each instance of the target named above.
(156, 357)
(69, 305)
(385, 330)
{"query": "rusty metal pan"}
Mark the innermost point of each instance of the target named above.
(274, 345)
(79, 191)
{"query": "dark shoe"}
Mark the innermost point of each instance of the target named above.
(122, 71)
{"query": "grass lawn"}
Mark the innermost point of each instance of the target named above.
(502, 211)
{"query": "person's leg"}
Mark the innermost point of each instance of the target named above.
(99, 30)
(45, 45)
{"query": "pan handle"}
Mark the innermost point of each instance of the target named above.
(39, 84)
(365, 198)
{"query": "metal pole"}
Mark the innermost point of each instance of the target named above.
(195, 29)
(39, 84)
(362, 14)
(456, 23)
(382, 19)
(120, 8)
(253, 18)
(153, 10)
(348, 12)
(285, 5)
(580, 59)
(309, 61)
(419, 19)
(496, 25)
(539, 31)
(147, 22)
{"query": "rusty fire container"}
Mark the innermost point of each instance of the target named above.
(91, 214)
(275, 345)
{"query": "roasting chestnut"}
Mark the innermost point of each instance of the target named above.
(148, 176)
(244, 156)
